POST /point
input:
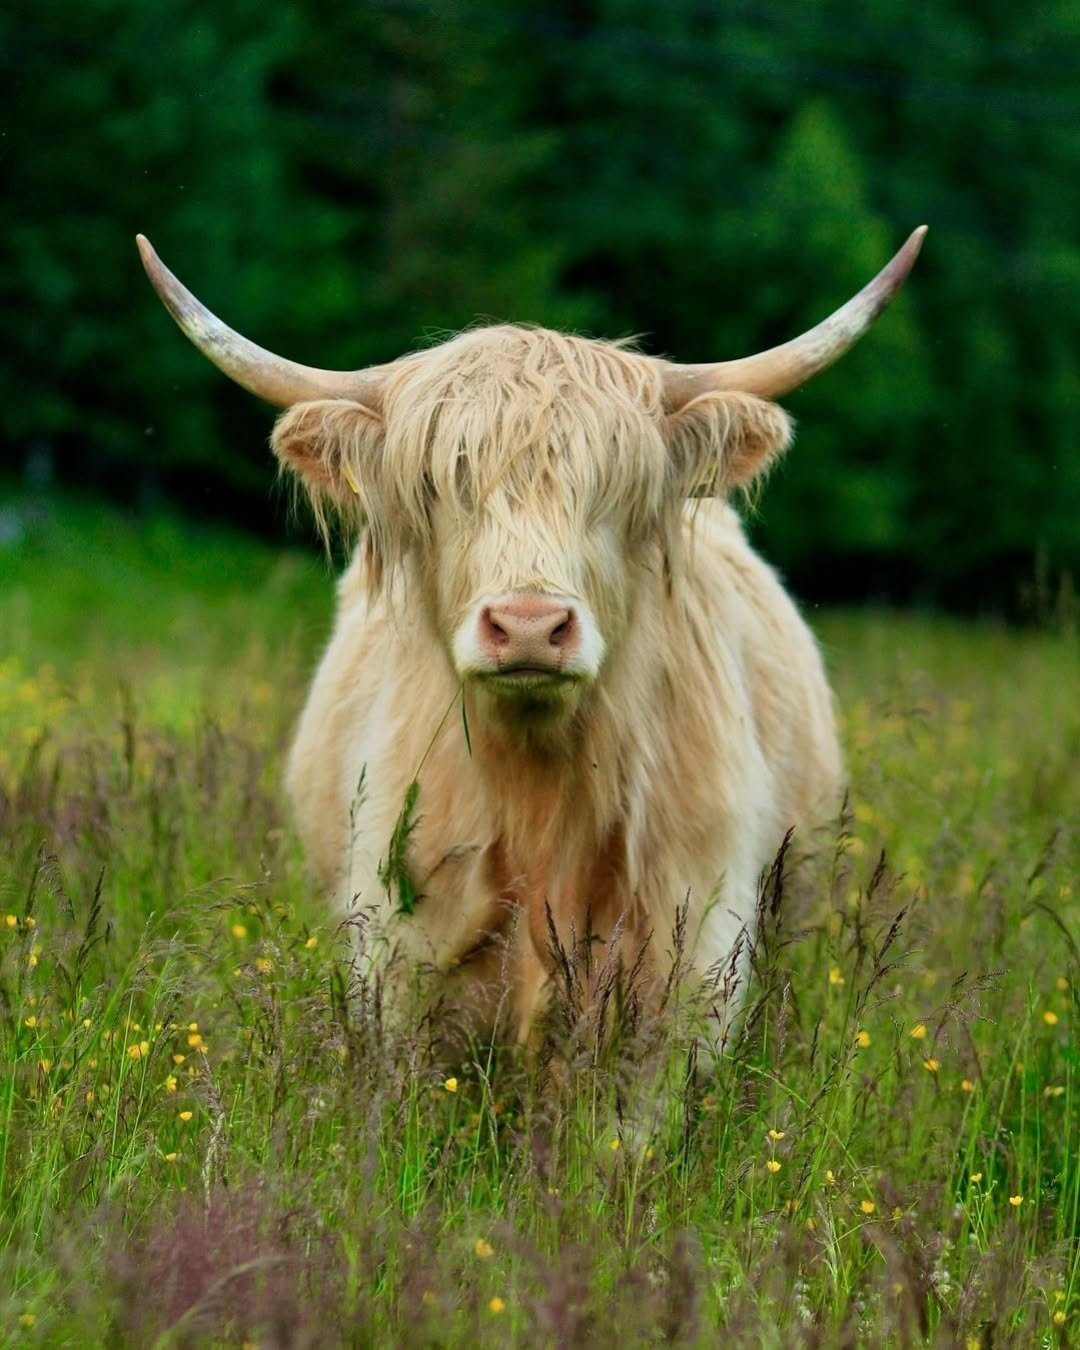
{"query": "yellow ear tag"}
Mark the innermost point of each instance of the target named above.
(350, 478)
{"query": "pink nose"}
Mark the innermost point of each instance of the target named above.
(529, 632)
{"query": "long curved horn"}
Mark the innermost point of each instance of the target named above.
(273, 378)
(779, 370)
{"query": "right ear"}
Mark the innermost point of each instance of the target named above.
(330, 445)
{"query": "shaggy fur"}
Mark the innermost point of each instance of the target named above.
(513, 459)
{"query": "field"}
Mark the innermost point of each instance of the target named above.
(204, 1139)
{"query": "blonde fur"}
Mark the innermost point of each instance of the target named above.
(515, 459)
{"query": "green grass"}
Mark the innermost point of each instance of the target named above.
(911, 1042)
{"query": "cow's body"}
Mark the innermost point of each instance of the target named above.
(627, 818)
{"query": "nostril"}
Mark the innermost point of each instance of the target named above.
(493, 631)
(561, 634)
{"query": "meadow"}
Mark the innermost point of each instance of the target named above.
(208, 1138)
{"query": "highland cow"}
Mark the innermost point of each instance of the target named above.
(544, 547)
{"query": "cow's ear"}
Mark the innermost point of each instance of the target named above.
(725, 440)
(330, 444)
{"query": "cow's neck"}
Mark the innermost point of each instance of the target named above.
(555, 804)
(538, 791)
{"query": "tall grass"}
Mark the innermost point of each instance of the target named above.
(208, 1137)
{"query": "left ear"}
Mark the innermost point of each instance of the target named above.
(725, 440)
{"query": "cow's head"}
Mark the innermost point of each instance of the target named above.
(521, 480)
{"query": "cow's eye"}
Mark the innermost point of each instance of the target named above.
(427, 489)
(463, 484)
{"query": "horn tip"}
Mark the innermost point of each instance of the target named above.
(146, 251)
(915, 239)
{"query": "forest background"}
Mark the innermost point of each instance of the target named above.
(344, 182)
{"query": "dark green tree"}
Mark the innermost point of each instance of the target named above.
(344, 184)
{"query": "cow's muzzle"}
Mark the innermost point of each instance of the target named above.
(527, 641)
(528, 633)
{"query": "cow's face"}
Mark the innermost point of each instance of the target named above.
(533, 485)
(529, 601)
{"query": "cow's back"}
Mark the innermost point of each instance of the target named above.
(789, 693)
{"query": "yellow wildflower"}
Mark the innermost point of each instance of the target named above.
(87, 1024)
(1016, 1201)
(170, 1083)
(90, 1097)
(772, 1165)
(239, 930)
(1059, 1318)
(967, 1085)
(1061, 983)
(139, 1050)
(496, 1305)
(31, 922)
(811, 1226)
(483, 1249)
(44, 1065)
(27, 1320)
(1054, 1090)
(1050, 1018)
(931, 1065)
(311, 943)
(30, 1022)
(862, 1040)
(178, 1059)
(11, 921)
(777, 1134)
(975, 1178)
(263, 965)
(185, 1116)
(919, 1033)
(836, 976)
(615, 1144)
(867, 1206)
(450, 1085)
(171, 1157)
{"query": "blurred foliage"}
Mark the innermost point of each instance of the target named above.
(343, 184)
